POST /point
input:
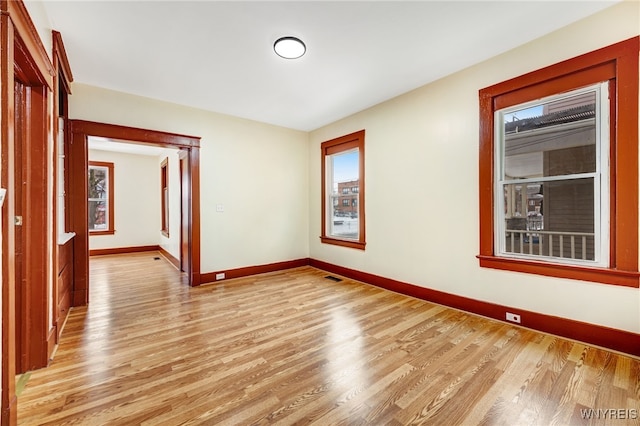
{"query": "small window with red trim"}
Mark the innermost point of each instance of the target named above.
(343, 191)
(100, 198)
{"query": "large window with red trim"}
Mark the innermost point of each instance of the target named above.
(559, 169)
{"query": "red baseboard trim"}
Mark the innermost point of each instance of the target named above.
(210, 277)
(610, 338)
(52, 338)
(175, 262)
(122, 250)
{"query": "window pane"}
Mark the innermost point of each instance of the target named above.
(553, 218)
(98, 215)
(98, 194)
(345, 183)
(555, 138)
(98, 182)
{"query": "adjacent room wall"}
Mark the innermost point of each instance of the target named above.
(257, 173)
(422, 186)
(172, 243)
(136, 200)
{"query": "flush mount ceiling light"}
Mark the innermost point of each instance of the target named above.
(289, 47)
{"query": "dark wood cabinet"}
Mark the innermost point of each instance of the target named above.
(65, 280)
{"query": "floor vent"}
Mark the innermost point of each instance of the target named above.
(156, 258)
(329, 277)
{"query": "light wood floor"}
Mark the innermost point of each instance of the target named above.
(296, 348)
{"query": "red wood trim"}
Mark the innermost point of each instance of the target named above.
(24, 27)
(111, 227)
(78, 214)
(59, 109)
(106, 232)
(210, 277)
(21, 50)
(78, 162)
(63, 67)
(52, 338)
(194, 218)
(154, 137)
(610, 338)
(626, 166)
(486, 174)
(164, 196)
(344, 243)
(334, 146)
(35, 228)
(597, 275)
(559, 84)
(619, 64)
(122, 250)
(8, 397)
(569, 66)
(174, 261)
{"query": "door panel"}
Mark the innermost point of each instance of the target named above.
(19, 127)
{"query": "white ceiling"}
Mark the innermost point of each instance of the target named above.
(218, 55)
(127, 147)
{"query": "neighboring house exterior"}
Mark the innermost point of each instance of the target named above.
(347, 201)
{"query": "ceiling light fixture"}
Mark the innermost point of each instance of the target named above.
(289, 47)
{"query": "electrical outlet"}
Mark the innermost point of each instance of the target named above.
(220, 276)
(513, 317)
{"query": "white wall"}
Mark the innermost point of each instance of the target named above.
(172, 243)
(421, 170)
(258, 172)
(136, 200)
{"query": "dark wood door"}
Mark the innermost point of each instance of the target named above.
(20, 278)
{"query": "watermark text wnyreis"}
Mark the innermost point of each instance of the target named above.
(609, 413)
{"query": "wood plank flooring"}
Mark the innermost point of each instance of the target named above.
(296, 348)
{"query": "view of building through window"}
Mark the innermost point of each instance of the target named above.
(345, 183)
(553, 173)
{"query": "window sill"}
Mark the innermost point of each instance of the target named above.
(344, 243)
(107, 232)
(592, 274)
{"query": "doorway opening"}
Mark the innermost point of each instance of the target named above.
(189, 149)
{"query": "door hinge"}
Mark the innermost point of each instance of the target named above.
(18, 221)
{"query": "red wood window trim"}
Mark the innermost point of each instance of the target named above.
(618, 64)
(164, 196)
(110, 225)
(331, 147)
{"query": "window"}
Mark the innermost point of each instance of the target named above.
(164, 196)
(554, 151)
(559, 169)
(100, 192)
(342, 170)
